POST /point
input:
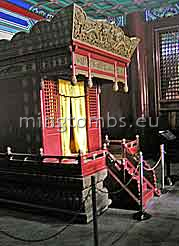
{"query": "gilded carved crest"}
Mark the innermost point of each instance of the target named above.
(102, 35)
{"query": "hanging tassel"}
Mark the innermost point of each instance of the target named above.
(115, 87)
(126, 89)
(74, 80)
(90, 82)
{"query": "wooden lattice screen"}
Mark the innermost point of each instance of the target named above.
(93, 103)
(51, 110)
(50, 115)
(169, 64)
(93, 115)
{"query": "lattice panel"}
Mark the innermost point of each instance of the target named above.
(51, 103)
(93, 102)
(169, 65)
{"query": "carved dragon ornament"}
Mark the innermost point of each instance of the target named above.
(103, 35)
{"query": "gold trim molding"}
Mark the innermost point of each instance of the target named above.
(100, 65)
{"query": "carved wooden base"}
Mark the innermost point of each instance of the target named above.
(62, 195)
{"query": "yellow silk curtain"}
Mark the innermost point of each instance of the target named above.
(79, 122)
(65, 114)
(76, 96)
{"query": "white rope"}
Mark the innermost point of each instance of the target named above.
(153, 168)
(118, 191)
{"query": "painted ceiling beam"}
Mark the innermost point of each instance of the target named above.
(32, 8)
(19, 10)
(20, 3)
(9, 28)
(13, 19)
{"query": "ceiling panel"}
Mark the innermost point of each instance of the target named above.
(39, 9)
(103, 8)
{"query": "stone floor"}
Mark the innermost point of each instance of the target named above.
(116, 227)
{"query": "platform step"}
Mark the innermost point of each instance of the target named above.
(144, 186)
(147, 196)
(118, 156)
(130, 170)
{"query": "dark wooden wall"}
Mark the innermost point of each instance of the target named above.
(19, 97)
(143, 97)
(145, 76)
(117, 105)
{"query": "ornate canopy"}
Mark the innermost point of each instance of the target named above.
(70, 44)
(102, 35)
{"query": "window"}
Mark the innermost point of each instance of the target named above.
(169, 64)
(51, 110)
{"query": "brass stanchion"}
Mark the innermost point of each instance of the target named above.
(141, 215)
(162, 154)
(124, 159)
(95, 223)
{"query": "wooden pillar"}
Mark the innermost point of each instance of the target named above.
(136, 27)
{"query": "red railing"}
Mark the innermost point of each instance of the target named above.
(130, 158)
(88, 163)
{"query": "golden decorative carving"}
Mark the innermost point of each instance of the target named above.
(81, 60)
(102, 66)
(121, 71)
(102, 35)
(96, 64)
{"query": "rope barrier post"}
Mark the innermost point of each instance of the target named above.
(137, 142)
(124, 158)
(107, 141)
(9, 151)
(41, 152)
(162, 153)
(123, 148)
(141, 215)
(95, 223)
(163, 164)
